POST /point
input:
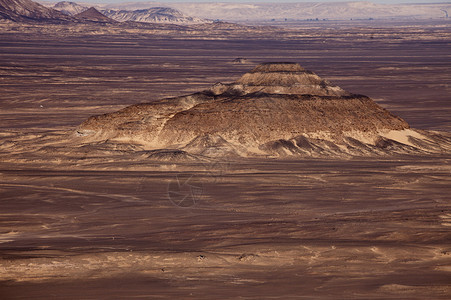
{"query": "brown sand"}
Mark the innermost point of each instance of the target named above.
(106, 223)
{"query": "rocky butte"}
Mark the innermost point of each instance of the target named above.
(275, 110)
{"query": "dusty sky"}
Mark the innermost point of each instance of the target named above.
(270, 1)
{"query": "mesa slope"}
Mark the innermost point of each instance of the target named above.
(277, 109)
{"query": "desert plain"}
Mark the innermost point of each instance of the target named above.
(85, 222)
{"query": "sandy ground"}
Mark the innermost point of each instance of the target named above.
(90, 225)
(357, 228)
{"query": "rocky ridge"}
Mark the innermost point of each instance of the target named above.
(146, 15)
(27, 10)
(277, 109)
(69, 8)
(71, 12)
(152, 15)
(308, 10)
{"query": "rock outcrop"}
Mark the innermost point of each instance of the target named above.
(277, 109)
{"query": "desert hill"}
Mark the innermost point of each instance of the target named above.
(277, 109)
(146, 15)
(152, 15)
(27, 10)
(69, 8)
(93, 14)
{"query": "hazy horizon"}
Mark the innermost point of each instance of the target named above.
(252, 1)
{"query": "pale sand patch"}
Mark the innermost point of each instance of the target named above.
(8, 237)
(410, 289)
(402, 136)
(446, 219)
(364, 137)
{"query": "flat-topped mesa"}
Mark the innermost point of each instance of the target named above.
(286, 78)
(277, 109)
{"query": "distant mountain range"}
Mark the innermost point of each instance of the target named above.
(248, 11)
(195, 13)
(147, 15)
(29, 11)
(26, 10)
(152, 15)
(70, 8)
